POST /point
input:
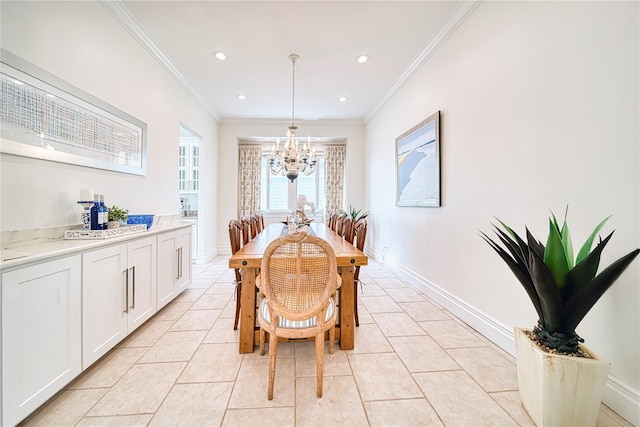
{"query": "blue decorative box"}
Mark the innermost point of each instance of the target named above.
(140, 219)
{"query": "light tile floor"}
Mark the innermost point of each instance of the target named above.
(413, 364)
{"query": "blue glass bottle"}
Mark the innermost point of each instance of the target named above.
(95, 213)
(104, 214)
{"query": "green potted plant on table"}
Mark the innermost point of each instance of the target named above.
(354, 213)
(554, 368)
(116, 216)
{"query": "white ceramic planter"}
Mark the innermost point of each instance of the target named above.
(559, 390)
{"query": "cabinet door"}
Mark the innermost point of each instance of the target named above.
(104, 317)
(184, 261)
(195, 166)
(189, 166)
(194, 241)
(183, 168)
(41, 334)
(141, 282)
(167, 269)
(174, 264)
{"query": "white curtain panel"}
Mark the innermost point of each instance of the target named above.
(249, 179)
(334, 177)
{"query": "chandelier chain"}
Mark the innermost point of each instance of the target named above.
(293, 57)
(292, 159)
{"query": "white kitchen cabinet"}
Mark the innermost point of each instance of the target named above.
(189, 165)
(174, 264)
(118, 294)
(41, 334)
(194, 236)
(142, 258)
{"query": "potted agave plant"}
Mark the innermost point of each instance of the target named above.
(354, 213)
(561, 381)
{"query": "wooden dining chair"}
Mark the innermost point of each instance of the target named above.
(235, 233)
(299, 281)
(258, 223)
(253, 222)
(348, 230)
(332, 221)
(246, 229)
(360, 230)
(340, 225)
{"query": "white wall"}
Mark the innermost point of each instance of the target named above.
(82, 44)
(540, 109)
(230, 131)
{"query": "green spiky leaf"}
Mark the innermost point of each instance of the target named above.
(586, 270)
(555, 256)
(547, 291)
(566, 240)
(586, 247)
(588, 294)
(520, 270)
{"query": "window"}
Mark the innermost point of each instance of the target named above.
(277, 193)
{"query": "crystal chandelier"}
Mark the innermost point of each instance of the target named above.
(292, 159)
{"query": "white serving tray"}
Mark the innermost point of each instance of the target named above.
(83, 234)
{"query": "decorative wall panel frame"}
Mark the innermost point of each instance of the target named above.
(418, 164)
(45, 117)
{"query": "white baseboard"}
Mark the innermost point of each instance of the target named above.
(623, 399)
(618, 396)
(224, 250)
(206, 257)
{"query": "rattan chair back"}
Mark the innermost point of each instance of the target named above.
(298, 276)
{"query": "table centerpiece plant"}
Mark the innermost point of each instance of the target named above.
(354, 213)
(562, 289)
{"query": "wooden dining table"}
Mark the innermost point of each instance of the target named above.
(249, 259)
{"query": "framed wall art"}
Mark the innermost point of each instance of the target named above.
(45, 117)
(418, 164)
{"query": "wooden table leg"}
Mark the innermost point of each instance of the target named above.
(347, 319)
(247, 310)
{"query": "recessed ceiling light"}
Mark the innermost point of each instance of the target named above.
(50, 96)
(343, 99)
(220, 55)
(241, 96)
(362, 58)
(18, 82)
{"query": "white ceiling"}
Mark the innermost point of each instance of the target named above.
(258, 37)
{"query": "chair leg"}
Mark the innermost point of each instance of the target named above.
(238, 294)
(273, 351)
(332, 339)
(319, 360)
(355, 302)
(262, 339)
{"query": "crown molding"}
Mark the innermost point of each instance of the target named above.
(239, 121)
(125, 18)
(457, 17)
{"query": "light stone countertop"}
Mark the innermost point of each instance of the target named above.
(23, 247)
